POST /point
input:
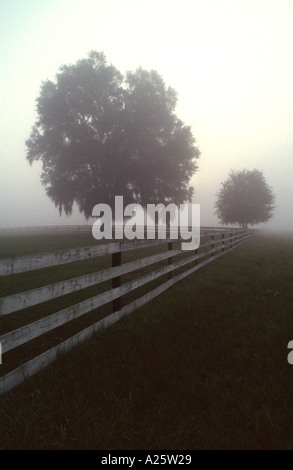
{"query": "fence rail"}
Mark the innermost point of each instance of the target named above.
(47, 229)
(214, 243)
(38, 229)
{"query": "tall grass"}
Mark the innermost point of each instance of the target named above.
(203, 366)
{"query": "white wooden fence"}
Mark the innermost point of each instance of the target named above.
(214, 243)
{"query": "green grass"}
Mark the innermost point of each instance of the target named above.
(16, 244)
(203, 366)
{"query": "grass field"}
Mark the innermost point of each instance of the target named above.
(203, 366)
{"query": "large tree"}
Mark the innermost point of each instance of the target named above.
(245, 198)
(99, 134)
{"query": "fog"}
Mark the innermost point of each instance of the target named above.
(229, 61)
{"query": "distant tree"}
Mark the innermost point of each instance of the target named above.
(245, 198)
(99, 134)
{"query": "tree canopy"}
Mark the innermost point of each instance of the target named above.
(99, 134)
(245, 198)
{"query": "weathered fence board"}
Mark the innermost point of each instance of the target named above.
(32, 297)
(21, 264)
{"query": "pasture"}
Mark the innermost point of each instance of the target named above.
(202, 366)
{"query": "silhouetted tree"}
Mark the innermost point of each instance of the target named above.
(99, 134)
(245, 198)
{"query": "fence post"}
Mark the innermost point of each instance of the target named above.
(196, 254)
(213, 245)
(231, 238)
(170, 260)
(116, 281)
(223, 243)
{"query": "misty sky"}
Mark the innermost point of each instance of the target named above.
(230, 61)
